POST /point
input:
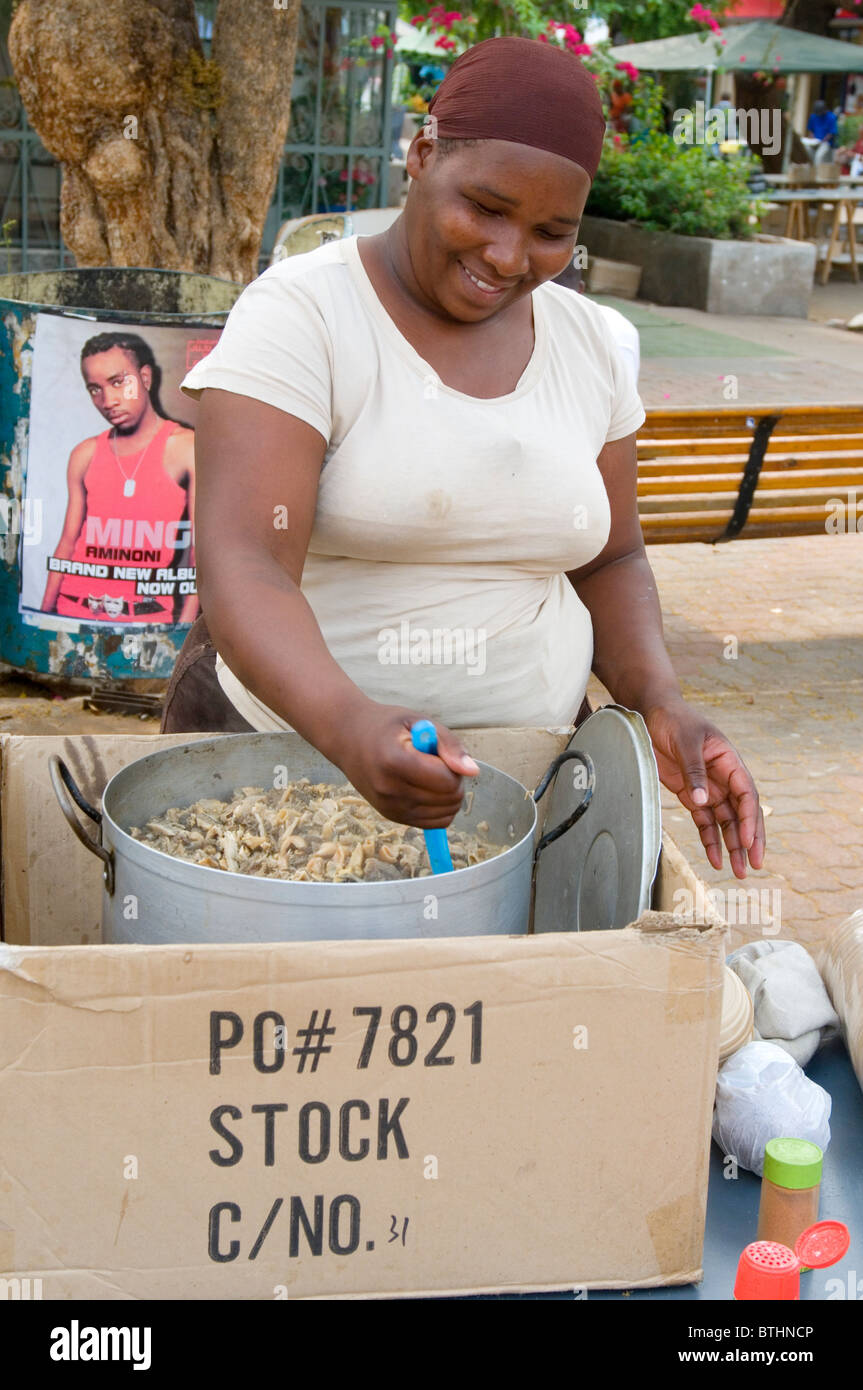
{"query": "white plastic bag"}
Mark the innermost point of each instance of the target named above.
(842, 970)
(762, 1094)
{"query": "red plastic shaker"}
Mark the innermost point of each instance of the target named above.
(768, 1270)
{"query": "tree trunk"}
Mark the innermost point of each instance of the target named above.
(168, 160)
(812, 15)
(755, 96)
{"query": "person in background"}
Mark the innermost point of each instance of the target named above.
(850, 157)
(823, 125)
(432, 72)
(624, 332)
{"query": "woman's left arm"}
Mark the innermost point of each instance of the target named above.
(695, 760)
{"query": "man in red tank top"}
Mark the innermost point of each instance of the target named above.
(127, 544)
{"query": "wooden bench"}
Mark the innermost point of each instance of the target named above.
(713, 474)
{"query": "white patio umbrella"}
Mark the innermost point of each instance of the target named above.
(412, 40)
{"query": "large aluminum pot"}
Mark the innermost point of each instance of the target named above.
(153, 898)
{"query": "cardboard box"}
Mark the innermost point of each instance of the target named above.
(496, 1113)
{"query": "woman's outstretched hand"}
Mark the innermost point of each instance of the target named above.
(412, 788)
(710, 779)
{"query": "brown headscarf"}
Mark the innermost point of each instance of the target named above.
(522, 90)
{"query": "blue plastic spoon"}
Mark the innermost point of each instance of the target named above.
(424, 739)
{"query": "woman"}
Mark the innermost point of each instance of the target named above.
(417, 476)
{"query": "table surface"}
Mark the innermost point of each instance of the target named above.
(830, 194)
(732, 1204)
(785, 179)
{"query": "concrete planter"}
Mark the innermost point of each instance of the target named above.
(768, 275)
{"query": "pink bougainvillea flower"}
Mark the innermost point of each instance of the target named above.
(375, 41)
(702, 15)
(630, 69)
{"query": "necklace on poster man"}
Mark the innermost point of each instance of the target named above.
(129, 483)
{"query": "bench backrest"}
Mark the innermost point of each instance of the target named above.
(710, 472)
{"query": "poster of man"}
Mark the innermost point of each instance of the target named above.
(117, 541)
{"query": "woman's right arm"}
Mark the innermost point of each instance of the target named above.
(257, 474)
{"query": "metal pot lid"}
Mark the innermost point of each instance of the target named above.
(599, 874)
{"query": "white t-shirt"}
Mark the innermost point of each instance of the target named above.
(626, 337)
(444, 523)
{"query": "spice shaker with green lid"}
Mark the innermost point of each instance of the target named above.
(790, 1189)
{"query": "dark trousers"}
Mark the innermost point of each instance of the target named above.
(195, 702)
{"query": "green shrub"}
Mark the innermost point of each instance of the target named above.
(668, 188)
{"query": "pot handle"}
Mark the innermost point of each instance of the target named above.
(64, 783)
(549, 776)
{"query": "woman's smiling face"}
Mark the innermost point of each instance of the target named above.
(499, 213)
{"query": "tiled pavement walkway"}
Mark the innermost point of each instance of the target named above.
(688, 358)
